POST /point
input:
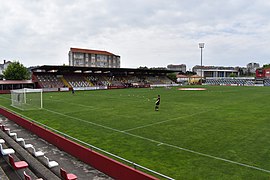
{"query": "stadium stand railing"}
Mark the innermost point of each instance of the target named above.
(267, 82)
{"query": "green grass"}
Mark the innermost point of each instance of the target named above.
(232, 123)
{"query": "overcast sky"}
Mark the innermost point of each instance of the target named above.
(152, 33)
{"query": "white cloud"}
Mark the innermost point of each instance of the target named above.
(144, 33)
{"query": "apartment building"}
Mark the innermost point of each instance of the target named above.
(4, 66)
(251, 67)
(93, 58)
(215, 71)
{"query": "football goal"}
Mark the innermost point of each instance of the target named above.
(27, 99)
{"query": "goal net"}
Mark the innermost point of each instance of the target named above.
(27, 99)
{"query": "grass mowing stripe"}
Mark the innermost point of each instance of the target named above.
(89, 122)
(166, 144)
(72, 103)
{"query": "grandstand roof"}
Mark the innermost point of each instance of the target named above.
(66, 69)
(90, 51)
(181, 76)
(196, 76)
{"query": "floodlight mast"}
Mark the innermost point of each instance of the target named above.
(201, 46)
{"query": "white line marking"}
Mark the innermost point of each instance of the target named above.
(75, 104)
(86, 110)
(89, 122)
(160, 122)
(4, 97)
(169, 145)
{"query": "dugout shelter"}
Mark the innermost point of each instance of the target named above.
(7, 85)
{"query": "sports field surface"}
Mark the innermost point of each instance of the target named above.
(219, 133)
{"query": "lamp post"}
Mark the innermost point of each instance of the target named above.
(201, 46)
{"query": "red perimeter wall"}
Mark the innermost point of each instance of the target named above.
(104, 164)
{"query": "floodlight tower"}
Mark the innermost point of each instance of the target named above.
(201, 46)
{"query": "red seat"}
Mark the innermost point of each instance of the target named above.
(17, 165)
(26, 176)
(67, 176)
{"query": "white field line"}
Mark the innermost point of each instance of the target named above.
(122, 96)
(75, 104)
(160, 122)
(4, 97)
(91, 108)
(165, 144)
(72, 112)
(89, 122)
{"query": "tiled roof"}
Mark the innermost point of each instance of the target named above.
(90, 51)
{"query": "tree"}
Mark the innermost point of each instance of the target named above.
(266, 66)
(172, 76)
(16, 71)
(190, 73)
(141, 67)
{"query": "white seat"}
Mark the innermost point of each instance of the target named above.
(2, 141)
(10, 133)
(26, 145)
(37, 153)
(6, 151)
(18, 139)
(50, 164)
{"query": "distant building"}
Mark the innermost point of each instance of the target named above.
(263, 73)
(251, 67)
(4, 66)
(215, 71)
(180, 67)
(158, 68)
(93, 58)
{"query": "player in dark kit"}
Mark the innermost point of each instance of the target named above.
(157, 103)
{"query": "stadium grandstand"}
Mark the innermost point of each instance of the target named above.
(237, 81)
(64, 78)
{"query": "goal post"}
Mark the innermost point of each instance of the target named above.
(27, 99)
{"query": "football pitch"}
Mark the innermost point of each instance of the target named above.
(220, 133)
